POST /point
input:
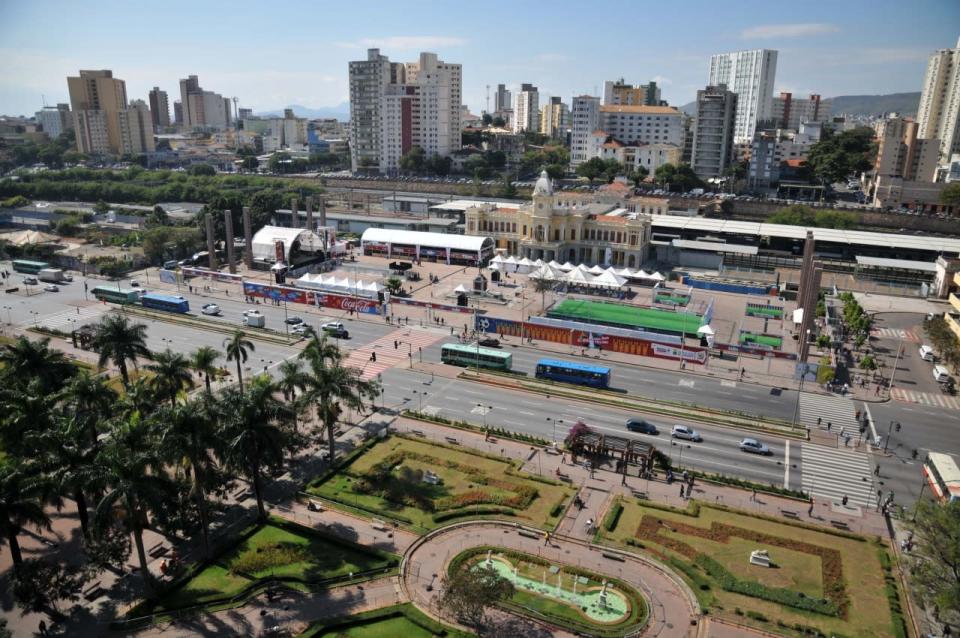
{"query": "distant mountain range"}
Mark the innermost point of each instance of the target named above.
(340, 111)
(902, 103)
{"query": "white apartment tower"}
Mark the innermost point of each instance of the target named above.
(584, 120)
(394, 107)
(136, 129)
(526, 109)
(939, 114)
(203, 109)
(749, 74)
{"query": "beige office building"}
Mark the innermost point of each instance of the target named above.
(136, 129)
(97, 98)
(939, 113)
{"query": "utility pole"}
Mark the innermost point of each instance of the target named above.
(488, 98)
(894, 372)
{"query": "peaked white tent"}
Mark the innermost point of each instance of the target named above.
(497, 259)
(578, 278)
(553, 264)
(567, 266)
(524, 266)
(544, 272)
(608, 280)
(596, 270)
(460, 289)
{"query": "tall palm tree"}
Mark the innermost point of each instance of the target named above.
(23, 361)
(137, 486)
(171, 374)
(203, 361)
(21, 504)
(292, 380)
(188, 438)
(334, 387)
(25, 412)
(119, 341)
(237, 347)
(253, 432)
(66, 456)
(320, 350)
(89, 401)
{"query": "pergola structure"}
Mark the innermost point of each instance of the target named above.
(627, 451)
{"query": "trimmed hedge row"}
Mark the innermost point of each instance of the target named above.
(466, 425)
(613, 516)
(473, 511)
(898, 621)
(787, 597)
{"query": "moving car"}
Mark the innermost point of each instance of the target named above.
(51, 288)
(293, 321)
(299, 329)
(642, 426)
(134, 283)
(685, 433)
(754, 447)
(336, 329)
(30, 281)
(490, 343)
(211, 309)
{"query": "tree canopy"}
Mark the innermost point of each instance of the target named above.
(800, 215)
(935, 564)
(837, 156)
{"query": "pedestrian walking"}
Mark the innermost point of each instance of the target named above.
(753, 495)
(819, 420)
(844, 500)
(829, 425)
(876, 470)
(841, 432)
(846, 441)
(810, 509)
(681, 490)
(43, 628)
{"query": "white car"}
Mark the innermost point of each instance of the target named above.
(685, 433)
(51, 288)
(211, 309)
(299, 329)
(68, 277)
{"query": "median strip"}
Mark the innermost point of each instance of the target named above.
(196, 322)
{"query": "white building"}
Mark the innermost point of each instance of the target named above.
(54, 120)
(554, 118)
(939, 113)
(394, 107)
(526, 109)
(633, 126)
(749, 74)
(584, 120)
(136, 129)
(633, 156)
(770, 149)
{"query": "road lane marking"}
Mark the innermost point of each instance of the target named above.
(786, 464)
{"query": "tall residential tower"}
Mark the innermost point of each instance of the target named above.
(749, 74)
(939, 113)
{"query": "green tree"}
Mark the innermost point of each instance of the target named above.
(292, 380)
(66, 454)
(171, 375)
(24, 360)
(204, 362)
(253, 432)
(237, 348)
(950, 195)
(158, 217)
(40, 585)
(543, 286)
(555, 171)
(837, 156)
(477, 165)
(333, 388)
(468, 594)
(250, 163)
(507, 190)
(592, 168)
(21, 504)
(263, 204)
(440, 165)
(935, 559)
(394, 286)
(637, 175)
(119, 341)
(487, 119)
(499, 122)
(414, 160)
(202, 170)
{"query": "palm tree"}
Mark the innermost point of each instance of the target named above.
(188, 439)
(21, 504)
(67, 454)
(203, 362)
(321, 350)
(25, 360)
(334, 387)
(89, 400)
(253, 432)
(542, 286)
(136, 487)
(171, 374)
(237, 348)
(119, 341)
(25, 412)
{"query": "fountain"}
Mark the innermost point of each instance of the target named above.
(516, 572)
(603, 596)
(489, 561)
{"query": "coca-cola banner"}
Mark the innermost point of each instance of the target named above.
(357, 304)
(296, 295)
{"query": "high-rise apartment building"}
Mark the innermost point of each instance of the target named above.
(554, 118)
(789, 112)
(396, 106)
(96, 98)
(55, 120)
(526, 109)
(501, 101)
(749, 74)
(713, 131)
(177, 113)
(159, 109)
(584, 120)
(619, 92)
(938, 116)
(203, 109)
(901, 152)
(136, 129)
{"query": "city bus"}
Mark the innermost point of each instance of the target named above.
(167, 303)
(943, 475)
(467, 355)
(115, 295)
(28, 267)
(569, 372)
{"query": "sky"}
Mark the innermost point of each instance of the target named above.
(274, 54)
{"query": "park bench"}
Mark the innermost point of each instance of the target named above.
(93, 590)
(612, 556)
(379, 525)
(419, 433)
(840, 525)
(527, 534)
(641, 495)
(790, 514)
(452, 440)
(158, 550)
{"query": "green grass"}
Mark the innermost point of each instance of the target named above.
(867, 610)
(416, 503)
(386, 628)
(404, 621)
(766, 340)
(629, 316)
(213, 582)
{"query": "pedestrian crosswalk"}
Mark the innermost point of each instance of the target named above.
(839, 413)
(400, 346)
(68, 320)
(932, 399)
(834, 473)
(896, 333)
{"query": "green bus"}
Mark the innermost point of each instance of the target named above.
(28, 267)
(467, 355)
(116, 295)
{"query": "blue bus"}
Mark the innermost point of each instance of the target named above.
(168, 303)
(569, 372)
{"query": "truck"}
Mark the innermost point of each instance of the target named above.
(51, 275)
(254, 319)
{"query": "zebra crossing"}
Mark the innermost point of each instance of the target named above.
(896, 333)
(69, 320)
(839, 412)
(834, 473)
(931, 399)
(409, 342)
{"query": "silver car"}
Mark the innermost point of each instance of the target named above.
(685, 433)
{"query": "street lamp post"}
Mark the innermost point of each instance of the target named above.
(805, 339)
(886, 441)
(555, 422)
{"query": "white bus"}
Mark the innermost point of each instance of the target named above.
(943, 475)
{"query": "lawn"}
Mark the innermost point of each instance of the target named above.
(771, 341)
(626, 316)
(213, 582)
(845, 571)
(400, 620)
(391, 480)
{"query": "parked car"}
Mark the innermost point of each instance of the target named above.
(754, 447)
(642, 426)
(299, 329)
(30, 281)
(685, 433)
(293, 321)
(51, 288)
(67, 278)
(211, 309)
(173, 263)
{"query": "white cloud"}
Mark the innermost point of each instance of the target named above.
(662, 81)
(405, 42)
(797, 30)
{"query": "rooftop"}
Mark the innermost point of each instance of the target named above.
(639, 109)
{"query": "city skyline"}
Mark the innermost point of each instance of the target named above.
(842, 50)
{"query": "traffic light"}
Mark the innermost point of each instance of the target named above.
(897, 427)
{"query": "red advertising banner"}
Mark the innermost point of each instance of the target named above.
(296, 295)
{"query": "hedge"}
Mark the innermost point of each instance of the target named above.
(472, 511)
(613, 516)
